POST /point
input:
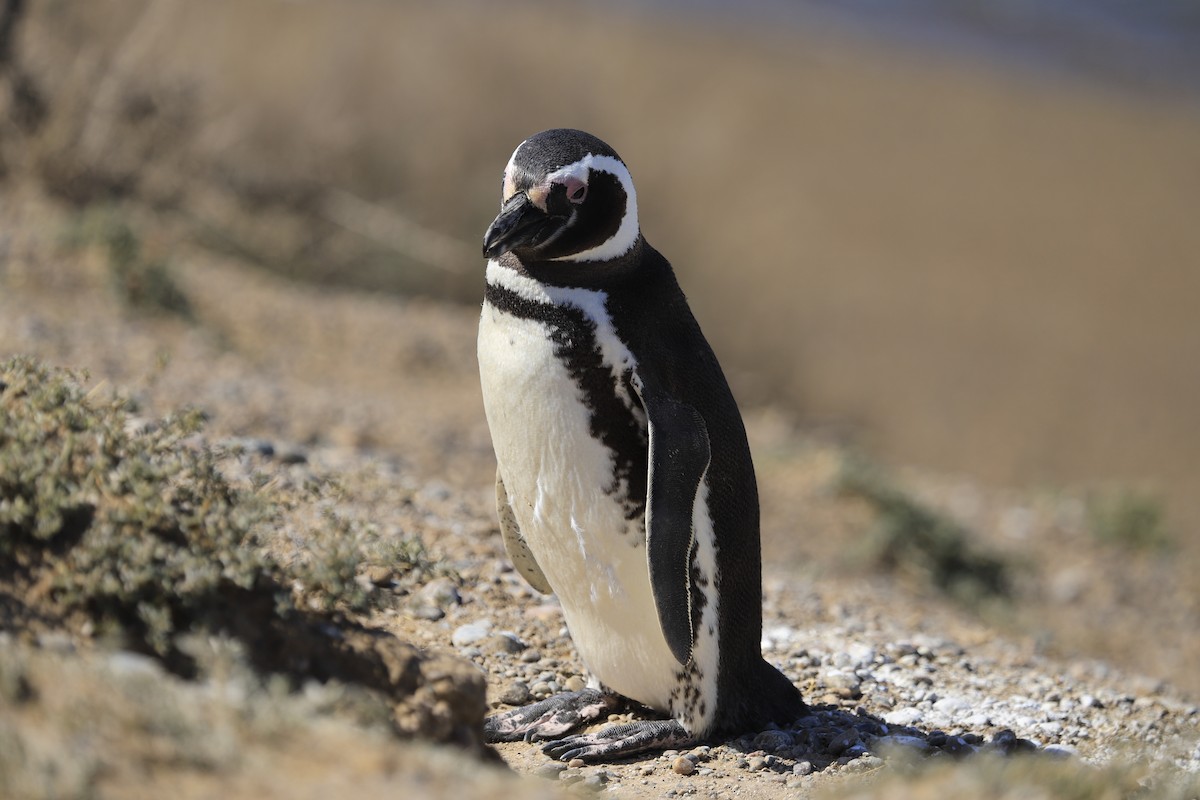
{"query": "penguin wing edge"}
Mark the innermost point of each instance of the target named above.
(515, 544)
(678, 461)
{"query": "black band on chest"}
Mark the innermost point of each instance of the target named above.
(611, 422)
(510, 302)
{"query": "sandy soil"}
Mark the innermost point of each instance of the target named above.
(1091, 657)
(968, 268)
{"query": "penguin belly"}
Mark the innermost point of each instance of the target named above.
(560, 483)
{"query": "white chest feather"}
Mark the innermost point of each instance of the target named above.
(559, 480)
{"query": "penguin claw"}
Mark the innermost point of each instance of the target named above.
(551, 718)
(620, 741)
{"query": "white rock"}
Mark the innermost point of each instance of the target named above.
(861, 655)
(778, 637)
(471, 633)
(1061, 750)
(903, 716)
(952, 705)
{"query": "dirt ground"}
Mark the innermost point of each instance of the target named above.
(268, 211)
(970, 268)
(1090, 655)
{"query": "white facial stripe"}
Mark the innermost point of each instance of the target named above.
(510, 183)
(627, 233)
(619, 243)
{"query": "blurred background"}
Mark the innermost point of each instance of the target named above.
(963, 236)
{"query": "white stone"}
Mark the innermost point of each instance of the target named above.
(470, 633)
(903, 716)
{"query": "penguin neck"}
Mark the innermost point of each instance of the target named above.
(599, 275)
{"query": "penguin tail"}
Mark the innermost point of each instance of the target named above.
(777, 698)
(766, 697)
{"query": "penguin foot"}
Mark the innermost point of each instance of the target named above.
(550, 718)
(619, 741)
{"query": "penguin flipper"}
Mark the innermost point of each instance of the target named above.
(515, 544)
(678, 462)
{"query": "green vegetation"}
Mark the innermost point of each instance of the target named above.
(135, 527)
(1129, 518)
(145, 286)
(138, 530)
(908, 537)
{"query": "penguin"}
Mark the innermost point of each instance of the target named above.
(624, 481)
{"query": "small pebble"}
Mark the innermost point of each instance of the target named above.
(517, 694)
(844, 742)
(683, 765)
(550, 770)
(756, 763)
(855, 751)
(429, 613)
(901, 743)
(440, 593)
(864, 763)
(575, 684)
(952, 705)
(503, 643)
(772, 741)
(802, 768)
(903, 717)
(842, 681)
(1060, 751)
(594, 782)
(471, 633)
(570, 775)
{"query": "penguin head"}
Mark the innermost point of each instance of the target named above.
(567, 197)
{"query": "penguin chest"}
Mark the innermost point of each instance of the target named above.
(576, 497)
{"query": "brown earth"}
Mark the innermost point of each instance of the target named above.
(975, 270)
(380, 395)
(988, 273)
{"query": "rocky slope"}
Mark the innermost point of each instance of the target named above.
(365, 410)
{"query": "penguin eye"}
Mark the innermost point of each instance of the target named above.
(576, 190)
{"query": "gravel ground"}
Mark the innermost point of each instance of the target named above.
(890, 680)
(381, 395)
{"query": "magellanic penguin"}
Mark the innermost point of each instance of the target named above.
(624, 482)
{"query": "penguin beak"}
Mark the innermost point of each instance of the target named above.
(519, 224)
